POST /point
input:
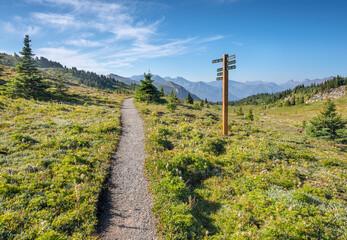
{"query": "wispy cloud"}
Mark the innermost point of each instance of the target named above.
(126, 38)
(146, 50)
(19, 29)
(211, 39)
(72, 58)
(85, 43)
(58, 20)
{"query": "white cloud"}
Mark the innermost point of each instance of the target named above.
(55, 19)
(146, 50)
(71, 58)
(211, 39)
(84, 43)
(133, 32)
(74, 58)
(19, 29)
(126, 38)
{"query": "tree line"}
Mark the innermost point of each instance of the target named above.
(41, 62)
(290, 97)
(29, 80)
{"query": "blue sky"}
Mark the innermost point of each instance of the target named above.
(274, 40)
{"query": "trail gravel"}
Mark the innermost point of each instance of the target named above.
(125, 211)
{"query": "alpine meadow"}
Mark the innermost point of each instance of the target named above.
(103, 137)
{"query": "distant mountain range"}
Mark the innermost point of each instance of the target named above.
(180, 91)
(123, 79)
(159, 82)
(213, 90)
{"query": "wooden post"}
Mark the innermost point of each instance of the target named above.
(225, 79)
(225, 94)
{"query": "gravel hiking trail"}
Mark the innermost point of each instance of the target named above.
(125, 211)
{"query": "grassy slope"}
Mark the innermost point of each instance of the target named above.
(265, 181)
(54, 157)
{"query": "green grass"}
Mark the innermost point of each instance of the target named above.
(54, 157)
(266, 180)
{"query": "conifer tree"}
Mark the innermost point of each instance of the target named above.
(147, 91)
(328, 125)
(189, 99)
(293, 101)
(250, 115)
(240, 112)
(27, 81)
(59, 85)
(173, 97)
(172, 105)
(1, 69)
(162, 93)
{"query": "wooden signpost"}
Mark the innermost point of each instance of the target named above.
(227, 65)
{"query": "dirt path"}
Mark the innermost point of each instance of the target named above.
(125, 212)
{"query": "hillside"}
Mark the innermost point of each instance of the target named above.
(125, 80)
(50, 69)
(334, 87)
(265, 180)
(54, 157)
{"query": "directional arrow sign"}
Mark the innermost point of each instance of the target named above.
(217, 60)
(219, 74)
(232, 62)
(219, 69)
(219, 78)
(231, 57)
(231, 67)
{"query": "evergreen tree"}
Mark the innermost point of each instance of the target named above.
(173, 97)
(59, 85)
(27, 82)
(287, 103)
(240, 112)
(293, 101)
(206, 101)
(172, 105)
(201, 103)
(328, 125)
(162, 93)
(189, 99)
(1, 69)
(250, 115)
(147, 91)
